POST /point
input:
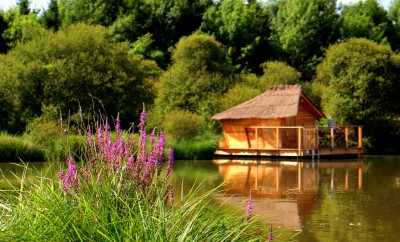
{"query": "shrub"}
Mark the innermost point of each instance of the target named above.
(238, 94)
(181, 124)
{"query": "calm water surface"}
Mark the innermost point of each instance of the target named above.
(352, 200)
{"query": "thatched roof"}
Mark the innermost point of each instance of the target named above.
(278, 102)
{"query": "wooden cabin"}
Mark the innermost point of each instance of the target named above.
(282, 121)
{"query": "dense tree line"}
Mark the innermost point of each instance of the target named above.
(199, 57)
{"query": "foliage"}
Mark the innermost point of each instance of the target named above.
(359, 83)
(23, 28)
(181, 124)
(23, 7)
(277, 73)
(301, 29)
(144, 46)
(243, 27)
(51, 17)
(3, 27)
(92, 12)
(198, 75)
(238, 94)
(78, 67)
(367, 19)
(16, 149)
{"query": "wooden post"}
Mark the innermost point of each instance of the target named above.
(360, 145)
(257, 138)
(299, 139)
(277, 138)
(346, 136)
(332, 139)
(256, 177)
(299, 177)
(360, 178)
(277, 178)
(346, 180)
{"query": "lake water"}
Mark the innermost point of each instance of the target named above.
(351, 200)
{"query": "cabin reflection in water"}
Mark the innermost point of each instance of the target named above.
(284, 192)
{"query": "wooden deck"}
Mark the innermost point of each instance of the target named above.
(307, 142)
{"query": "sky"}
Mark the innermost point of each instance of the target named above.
(42, 4)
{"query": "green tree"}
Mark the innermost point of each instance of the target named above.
(166, 20)
(3, 28)
(302, 29)
(367, 19)
(51, 17)
(358, 81)
(23, 7)
(243, 28)
(102, 12)
(23, 28)
(78, 68)
(198, 75)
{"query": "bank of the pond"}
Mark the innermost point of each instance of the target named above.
(197, 148)
(25, 148)
(16, 149)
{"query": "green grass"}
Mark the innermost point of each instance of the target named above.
(16, 149)
(102, 211)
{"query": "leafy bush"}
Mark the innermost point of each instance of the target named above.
(78, 67)
(181, 124)
(238, 94)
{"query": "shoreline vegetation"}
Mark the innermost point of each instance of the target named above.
(122, 191)
(15, 148)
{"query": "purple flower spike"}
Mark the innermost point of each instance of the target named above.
(130, 162)
(69, 177)
(270, 235)
(249, 207)
(170, 161)
(143, 117)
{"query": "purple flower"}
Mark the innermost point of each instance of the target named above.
(142, 123)
(130, 162)
(249, 207)
(69, 177)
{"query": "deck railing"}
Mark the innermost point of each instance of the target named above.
(303, 138)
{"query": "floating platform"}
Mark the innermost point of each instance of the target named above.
(292, 153)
